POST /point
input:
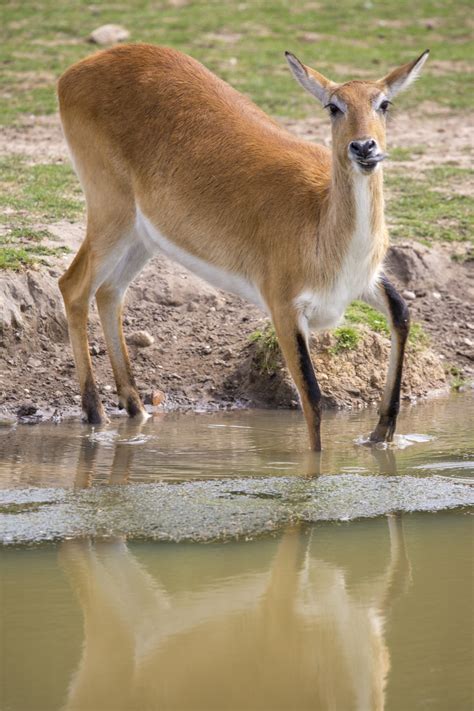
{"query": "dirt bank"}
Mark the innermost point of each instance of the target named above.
(203, 354)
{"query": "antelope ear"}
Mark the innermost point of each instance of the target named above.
(311, 80)
(401, 78)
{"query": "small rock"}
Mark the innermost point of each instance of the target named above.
(141, 339)
(109, 34)
(26, 409)
(410, 295)
(108, 388)
(34, 363)
(436, 295)
(7, 420)
(156, 397)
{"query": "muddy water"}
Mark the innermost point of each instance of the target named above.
(205, 562)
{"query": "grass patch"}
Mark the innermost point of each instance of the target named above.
(360, 313)
(244, 43)
(45, 192)
(14, 258)
(347, 339)
(22, 247)
(418, 337)
(405, 154)
(455, 375)
(422, 212)
(463, 257)
(268, 351)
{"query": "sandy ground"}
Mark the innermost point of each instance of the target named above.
(202, 356)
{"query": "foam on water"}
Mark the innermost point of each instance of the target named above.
(217, 510)
(399, 441)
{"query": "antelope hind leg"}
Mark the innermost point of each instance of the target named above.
(77, 289)
(109, 299)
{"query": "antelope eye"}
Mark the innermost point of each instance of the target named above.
(333, 109)
(384, 106)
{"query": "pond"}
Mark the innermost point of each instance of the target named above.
(207, 562)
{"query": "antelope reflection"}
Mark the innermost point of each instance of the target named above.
(291, 635)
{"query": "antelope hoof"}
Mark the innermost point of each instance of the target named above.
(92, 407)
(383, 432)
(132, 403)
(95, 416)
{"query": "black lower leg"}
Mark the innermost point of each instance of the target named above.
(400, 325)
(312, 393)
(91, 403)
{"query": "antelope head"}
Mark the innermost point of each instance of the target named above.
(358, 110)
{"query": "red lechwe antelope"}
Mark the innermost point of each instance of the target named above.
(173, 160)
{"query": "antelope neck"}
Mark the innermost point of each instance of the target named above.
(357, 203)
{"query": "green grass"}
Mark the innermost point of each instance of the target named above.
(347, 339)
(14, 258)
(405, 154)
(457, 380)
(359, 313)
(243, 43)
(31, 194)
(432, 206)
(44, 192)
(23, 247)
(267, 349)
(418, 337)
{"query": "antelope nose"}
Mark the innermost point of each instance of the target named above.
(363, 149)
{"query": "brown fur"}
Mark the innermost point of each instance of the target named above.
(152, 127)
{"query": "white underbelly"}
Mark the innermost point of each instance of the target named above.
(320, 310)
(155, 241)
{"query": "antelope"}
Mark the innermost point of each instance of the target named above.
(173, 160)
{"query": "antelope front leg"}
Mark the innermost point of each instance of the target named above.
(387, 300)
(294, 346)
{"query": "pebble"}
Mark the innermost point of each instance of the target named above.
(157, 397)
(141, 339)
(436, 295)
(410, 295)
(109, 34)
(34, 363)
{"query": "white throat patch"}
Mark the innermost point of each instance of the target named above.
(324, 309)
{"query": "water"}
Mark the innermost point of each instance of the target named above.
(207, 562)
